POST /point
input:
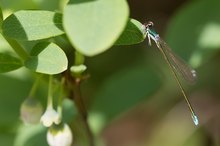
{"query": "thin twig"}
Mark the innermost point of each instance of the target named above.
(77, 97)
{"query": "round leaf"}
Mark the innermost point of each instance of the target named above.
(132, 34)
(9, 63)
(33, 25)
(93, 26)
(47, 58)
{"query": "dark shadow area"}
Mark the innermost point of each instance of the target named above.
(13, 28)
(129, 86)
(80, 1)
(39, 48)
(57, 19)
(32, 62)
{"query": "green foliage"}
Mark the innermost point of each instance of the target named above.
(18, 4)
(29, 25)
(47, 58)
(96, 30)
(33, 25)
(124, 90)
(200, 34)
(53, 43)
(1, 18)
(9, 63)
(15, 89)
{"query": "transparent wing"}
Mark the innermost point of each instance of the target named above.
(187, 72)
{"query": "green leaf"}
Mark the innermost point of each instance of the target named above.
(132, 34)
(9, 63)
(33, 25)
(196, 38)
(93, 26)
(124, 90)
(47, 58)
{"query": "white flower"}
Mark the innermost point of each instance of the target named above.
(50, 117)
(31, 111)
(60, 135)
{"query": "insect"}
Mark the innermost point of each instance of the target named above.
(175, 63)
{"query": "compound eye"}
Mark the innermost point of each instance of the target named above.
(150, 24)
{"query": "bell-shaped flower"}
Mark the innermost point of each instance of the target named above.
(50, 116)
(31, 111)
(59, 135)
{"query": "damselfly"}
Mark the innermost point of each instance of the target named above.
(176, 64)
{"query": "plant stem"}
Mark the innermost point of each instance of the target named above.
(79, 58)
(50, 92)
(81, 107)
(34, 86)
(60, 99)
(75, 93)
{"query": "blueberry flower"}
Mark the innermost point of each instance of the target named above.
(49, 117)
(59, 135)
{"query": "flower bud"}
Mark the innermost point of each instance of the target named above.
(59, 135)
(78, 69)
(31, 111)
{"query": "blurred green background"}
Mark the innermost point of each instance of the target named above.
(131, 95)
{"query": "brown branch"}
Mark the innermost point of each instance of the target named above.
(75, 94)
